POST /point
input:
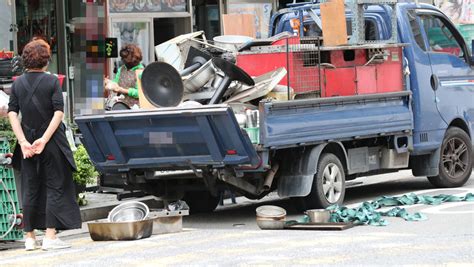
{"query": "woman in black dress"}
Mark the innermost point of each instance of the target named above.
(42, 153)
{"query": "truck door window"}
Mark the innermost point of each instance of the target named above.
(440, 37)
(415, 29)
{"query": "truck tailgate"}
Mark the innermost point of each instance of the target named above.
(167, 138)
(318, 120)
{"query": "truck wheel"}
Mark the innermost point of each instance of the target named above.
(200, 201)
(329, 185)
(455, 165)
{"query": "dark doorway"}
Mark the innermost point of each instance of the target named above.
(207, 17)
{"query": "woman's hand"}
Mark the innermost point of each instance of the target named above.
(38, 145)
(26, 149)
(111, 85)
(119, 90)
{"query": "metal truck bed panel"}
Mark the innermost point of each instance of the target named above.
(291, 123)
(166, 138)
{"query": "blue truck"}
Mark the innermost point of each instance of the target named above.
(307, 148)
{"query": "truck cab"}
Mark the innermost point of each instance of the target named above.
(439, 68)
(443, 92)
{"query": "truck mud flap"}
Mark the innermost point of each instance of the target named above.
(167, 138)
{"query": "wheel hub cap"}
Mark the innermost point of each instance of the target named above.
(455, 157)
(332, 183)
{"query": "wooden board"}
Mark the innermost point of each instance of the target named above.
(320, 226)
(239, 24)
(143, 102)
(333, 18)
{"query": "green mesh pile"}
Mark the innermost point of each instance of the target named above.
(367, 212)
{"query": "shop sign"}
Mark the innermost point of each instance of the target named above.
(143, 6)
(111, 47)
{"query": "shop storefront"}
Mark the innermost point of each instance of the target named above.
(211, 16)
(38, 19)
(76, 46)
(7, 9)
(146, 24)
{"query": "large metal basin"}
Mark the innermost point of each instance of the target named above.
(158, 222)
(107, 231)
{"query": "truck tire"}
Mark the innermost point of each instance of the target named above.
(456, 159)
(329, 186)
(200, 201)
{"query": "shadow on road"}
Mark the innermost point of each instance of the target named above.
(243, 214)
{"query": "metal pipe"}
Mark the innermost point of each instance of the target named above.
(267, 183)
(220, 90)
(196, 64)
(288, 69)
(319, 68)
(190, 69)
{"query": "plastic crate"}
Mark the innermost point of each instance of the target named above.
(254, 134)
(6, 209)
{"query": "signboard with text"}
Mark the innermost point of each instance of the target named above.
(134, 6)
(111, 48)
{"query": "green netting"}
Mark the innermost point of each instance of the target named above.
(367, 213)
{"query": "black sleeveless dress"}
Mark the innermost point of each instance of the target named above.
(48, 191)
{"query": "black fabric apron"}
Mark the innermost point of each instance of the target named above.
(48, 191)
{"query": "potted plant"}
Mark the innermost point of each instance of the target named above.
(86, 172)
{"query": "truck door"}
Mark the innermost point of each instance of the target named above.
(452, 77)
(427, 121)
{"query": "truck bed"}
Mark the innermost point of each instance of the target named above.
(184, 138)
(310, 121)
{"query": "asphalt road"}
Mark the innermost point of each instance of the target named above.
(230, 237)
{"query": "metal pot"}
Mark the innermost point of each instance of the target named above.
(199, 78)
(270, 224)
(231, 42)
(129, 212)
(318, 215)
(270, 212)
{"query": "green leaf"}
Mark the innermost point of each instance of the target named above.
(86, 172)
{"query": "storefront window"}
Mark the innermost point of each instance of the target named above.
(6, 26)
(37, 19)
(207, 17)
(137, 33)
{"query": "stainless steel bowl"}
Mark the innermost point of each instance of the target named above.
(269, 211)
(199, 78)
(271, 224)
(318, 215)
(129, 212)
